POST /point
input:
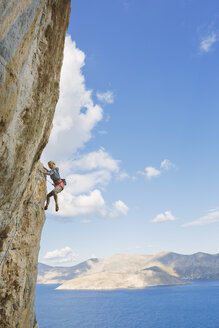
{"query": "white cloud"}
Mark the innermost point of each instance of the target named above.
(95, 160)
(84, 204)
(87, 204)
(76, 114)
(75, 118)
(82, 196)
(99, 167)
(166, 164)
(82, 183)
(61, 256)
(211, 217)
(106, 97)
(151, 172)
(119, 208)
(207, 42)
(123, 176)
(164, 217)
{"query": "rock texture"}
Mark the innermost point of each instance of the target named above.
(31, 51)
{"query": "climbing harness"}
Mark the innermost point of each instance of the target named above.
(18, 225)
(58, 182)
(64, 181)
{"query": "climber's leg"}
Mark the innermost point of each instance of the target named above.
(56, 200)
(56, 190)
(48, 199)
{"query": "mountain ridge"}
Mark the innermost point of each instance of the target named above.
(132, 271)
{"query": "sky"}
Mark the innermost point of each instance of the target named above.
(136, 131)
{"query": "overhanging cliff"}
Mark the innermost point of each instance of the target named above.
(31, 51)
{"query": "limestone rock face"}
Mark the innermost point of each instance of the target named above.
(31, 51)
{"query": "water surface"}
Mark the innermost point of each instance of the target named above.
(182, 306)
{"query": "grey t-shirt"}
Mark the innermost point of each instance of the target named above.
(54, 174)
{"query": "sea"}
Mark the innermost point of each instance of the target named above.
(194, 305)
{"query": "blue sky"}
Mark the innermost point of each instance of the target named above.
(136, 131)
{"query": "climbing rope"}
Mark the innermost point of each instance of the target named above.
(25, 210)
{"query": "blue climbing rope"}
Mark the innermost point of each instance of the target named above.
(25, 210)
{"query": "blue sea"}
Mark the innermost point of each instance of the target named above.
(185, 306)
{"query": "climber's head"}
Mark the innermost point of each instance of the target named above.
(51, 165)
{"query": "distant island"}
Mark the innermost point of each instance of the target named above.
(132, 271)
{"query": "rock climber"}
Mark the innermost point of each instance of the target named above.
(58, 183)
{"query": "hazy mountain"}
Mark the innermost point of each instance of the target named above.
(56, 275)
(195, 266)
(132, 271)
